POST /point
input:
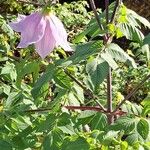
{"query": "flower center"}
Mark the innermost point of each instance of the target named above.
(46, 11)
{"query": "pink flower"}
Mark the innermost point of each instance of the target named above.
(44, 31)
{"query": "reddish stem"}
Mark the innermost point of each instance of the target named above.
(95, 108)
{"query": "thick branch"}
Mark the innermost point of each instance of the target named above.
(133, 92)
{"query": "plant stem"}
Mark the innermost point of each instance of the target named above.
(107, 11)
(92, 108)
(109, 77)
(109, 96)
(87, 91)
(80, 84)
(132, 92)
(92, 3)
(118, 2)
(95, 108)
(95, 13)
(109, 86)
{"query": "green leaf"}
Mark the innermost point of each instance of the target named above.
(72, 99)
(139, 18)
(124, 145)
(6, 88)
(27, 68)
(92, 29)
(147, 39)
(118, 53)
(12, 99)
(64, 119)
(26, 131)
(62, 79)
(23, 142)
(143, 128)
(84, 51)
(132, 33)
(21, 122)
(97, 70)
(19, 142)
(119, 34)
(146, 105)
(48, 124)
(109, 59)
(47, 143)
(99, 121)
(125, 123)
(145, 47)
(67, 129)
(146, 50)
(80, 37)
(109, 138)
(5, 145)
(86, 114)
(78, 144)
(111, 28)
(133, 138)
(9, 69)
(78, 92)
(136, 109)
(44, 79)
(146, 146)
(53, 140)
(6, 28)
(146, 110)
(56, 103)
(85, 117)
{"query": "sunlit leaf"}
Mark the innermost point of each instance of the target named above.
(79, 143)
(143, 128)
(44, 79)
(97, 70)
(118, 53)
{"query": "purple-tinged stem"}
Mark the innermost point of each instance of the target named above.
(133, 92)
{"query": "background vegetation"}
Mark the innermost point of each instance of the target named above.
(55, 103)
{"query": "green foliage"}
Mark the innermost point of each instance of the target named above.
(77, 143)
(34, 92)
(147, 39)
(42, 81)
(97, 70)
(143, 128)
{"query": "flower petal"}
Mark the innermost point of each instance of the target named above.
(17, 25)
(59, 32)
(33, 29)
(47, 43)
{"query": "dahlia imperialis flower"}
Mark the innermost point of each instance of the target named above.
(45, 31)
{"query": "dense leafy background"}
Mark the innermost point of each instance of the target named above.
(33, 92)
